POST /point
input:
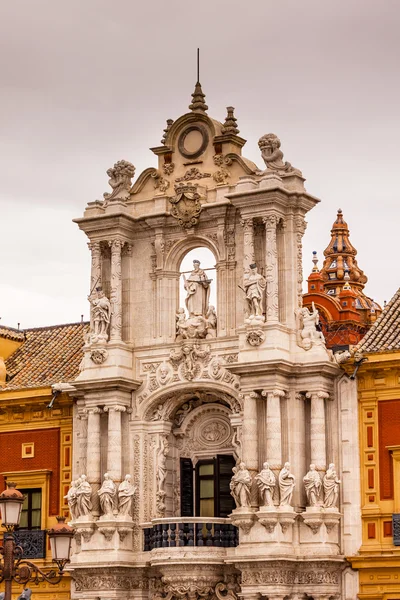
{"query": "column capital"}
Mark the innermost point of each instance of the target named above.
(94, 247)
(92, 410)
(277, 392)
(251, 394)
(322, 395)
(116, 245)
(115, 407)
(247, 223)
(270, 221)
(300, 224)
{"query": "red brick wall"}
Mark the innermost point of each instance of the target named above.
(389, 435)
(46, 456)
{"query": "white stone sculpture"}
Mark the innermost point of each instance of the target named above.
(211, 319)
(286, 485)
(331, 487)
(101, 314)
(272, 155)
(158, 414)
(308, 333)
(254, 286)
(240, 485)
(197, 287)
(83, 497)
(126, 492)
(107, 495)
(120, 181)
(266, 482)
(71, 498)
(312, 484)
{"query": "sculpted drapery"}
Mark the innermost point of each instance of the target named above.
(197, 286)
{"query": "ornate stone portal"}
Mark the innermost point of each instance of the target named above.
(218, 411)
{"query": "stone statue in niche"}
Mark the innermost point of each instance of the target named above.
(272, 155)
(101, 314)
(72, 499)
(120, 181)
(312, 484)
(83, 497)
(126, 492)
(254, 285)
(286, 485)
(162, 454)
(331, 487)
(308, 328)
(197, 287)
(240, 485)
(266, 482)
(107, 495)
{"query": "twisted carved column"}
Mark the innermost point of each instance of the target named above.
(274, 427)
(248, 243)
(116, 290)
(250, 440)
(93, 454)
(271, 268)
(318, 429)
(114, 446)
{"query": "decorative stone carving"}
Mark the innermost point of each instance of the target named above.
(164, 373)
(101, 314)
(162, 454)
(272, 155)
(170, 122)
(126, 491)
(85, 532)
(221, 176)
(218, 159)
(99, 355)
(240, 486)
(123, 532)
(107, 495)
(254, 287)
(193, 173)
(308, 333)
(186, 207)
(266, 482)
(315, 573)
(312, 484)
(120, 175)
(108, 532)
(160, 183)
(286, 485)
(116, 578)
(71, 498)
(159, 413)
(331, 487)
(187, 357)
(83, 497)
(168, 168)
(197, 287)
(255, 337)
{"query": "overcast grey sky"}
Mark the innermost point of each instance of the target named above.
(87, 82)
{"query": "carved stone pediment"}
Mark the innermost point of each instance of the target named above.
(186, 207)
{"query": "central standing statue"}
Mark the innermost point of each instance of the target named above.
(197, 287)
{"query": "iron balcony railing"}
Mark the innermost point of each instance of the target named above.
(32, 541)
(190, 531)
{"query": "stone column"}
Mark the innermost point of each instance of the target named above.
(82, 438)
(248, 242)
(95, 272)
(114, 445)
(250, 440)
(318, 429)
(271, 268)
(274, 428)
(93, 455)
(116, 290)
(300, 226)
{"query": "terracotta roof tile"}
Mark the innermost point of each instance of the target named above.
(384, 335)
(9, 333)
(48, 355)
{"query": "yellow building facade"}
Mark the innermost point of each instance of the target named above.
(378, 376)
(36, 435)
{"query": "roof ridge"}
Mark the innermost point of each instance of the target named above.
(43, 327)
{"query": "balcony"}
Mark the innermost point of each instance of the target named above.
(188, 532)
(32, 541)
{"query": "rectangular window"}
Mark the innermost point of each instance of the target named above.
(31, 515)
(213, 497)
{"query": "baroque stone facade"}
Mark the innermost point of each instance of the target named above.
(208, 404)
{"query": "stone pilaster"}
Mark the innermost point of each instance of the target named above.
(93, 454)
(318, 429)
(95, 270)
(300, 226)
(271, 268)
(116, 290)
(274, 427)
(80, 465)
(248, 242)
(114, 442)
(250, 440)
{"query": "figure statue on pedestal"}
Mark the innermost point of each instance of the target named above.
(240, 485)
(286, 485)
(83, 497)
(120, 181)
(254, 286)
(101, 314)
(71, 498)
(308, 329)
(107, 494)
(266, 482)
(331, 487)
(126, 492)
(197, 287)
(272, 155)
(312, 483)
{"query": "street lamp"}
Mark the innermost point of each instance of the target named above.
(13, 567)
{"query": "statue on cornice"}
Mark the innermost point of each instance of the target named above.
(308, 328)
(83, 497)
(286, 485)
(266, 482)
(254, 285)
(107, 495)
(272, 155)
(120, 175)
(331, 487)
(312, 484)
(240, 485)
(126, 492)
(101, 314)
